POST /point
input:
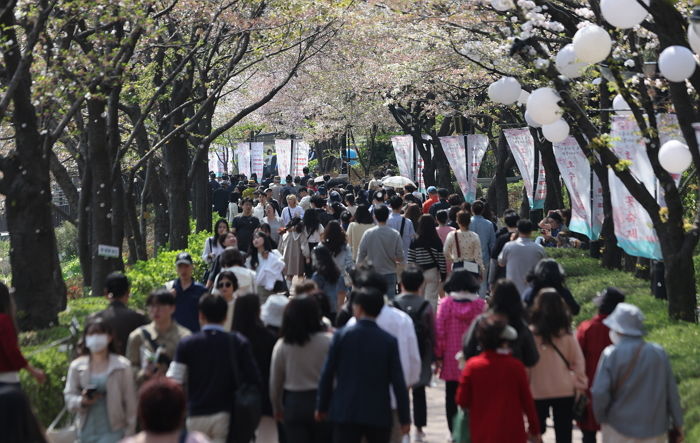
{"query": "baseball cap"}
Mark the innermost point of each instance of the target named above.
(183, 258)
(322, 190)
(432, 189)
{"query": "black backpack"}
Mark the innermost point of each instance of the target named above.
(415, 310)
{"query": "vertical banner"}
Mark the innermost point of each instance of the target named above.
(456, 153)
(256, 159)
(403, 149)
(301, 157)
(597, 212)
(243, 152)
(476, 149)
(576, 173)
(633, 228)
(219, 160)
(523, 147)
(284, 160)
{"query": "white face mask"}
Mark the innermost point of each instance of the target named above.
(97, 342)
(614, 337)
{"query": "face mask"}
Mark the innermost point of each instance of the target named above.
(614, 337)
(96, 342)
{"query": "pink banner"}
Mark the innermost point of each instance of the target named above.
(576, 173)
(597, 211)
(633, 228)
(301, 158)
(523, 147)
(256, 159)
(243, 152)
(403, 149)
(476, 148)
(456, 153)
(284, 158)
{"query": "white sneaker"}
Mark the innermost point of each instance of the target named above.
(418, 436)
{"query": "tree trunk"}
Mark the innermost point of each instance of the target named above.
(176, 162)
(554, 199)
(498, 190)
(161, 219)
(201, 198)
(678, 247)
(85, 227)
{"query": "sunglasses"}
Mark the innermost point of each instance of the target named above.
(224, 284)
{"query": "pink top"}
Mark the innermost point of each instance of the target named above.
(455, 314)
(443, 231)
(550, 378)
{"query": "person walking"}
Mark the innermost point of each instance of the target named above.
(402, 225)
(292, 210)
(422, 315)
(550, 274)
(267, 264)
(329, 279)
(275, 223)
(426, 251)
(381, 246)
(335, 239)
(214, 245)
(297, 361)
(233, 260)
(559, 375)
(635, 397)
(100, 388)
(487, 237)
(493, 388)
(520, 256)
(294, 249)
(463, 247)
(455, 314)
(594, 336)
(357, 228)
(244, 225)
(204, 362)
(510, 219)
(362, 365)
(187, 292)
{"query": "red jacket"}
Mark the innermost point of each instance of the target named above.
(11, 359)
(593, 337)
(428, 203)
(496, 385)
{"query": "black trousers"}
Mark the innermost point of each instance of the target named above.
(299, 423)
(353, 433)
(563, 416)
(589, 436)
(450, 404)
(420, 407)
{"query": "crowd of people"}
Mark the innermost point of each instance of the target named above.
(334, 306)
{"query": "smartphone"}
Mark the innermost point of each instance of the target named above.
(90, 391)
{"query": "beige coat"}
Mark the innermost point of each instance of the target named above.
(121, 392)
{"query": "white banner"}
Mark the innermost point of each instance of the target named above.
(243, 152)
(301, 158)
(284, 158)
(597, 211)
(219, 160)
(576, 173)
(256, 159)
(403, 149)
(523, 147)
(633, 228)
(456, 153)
(476, 149)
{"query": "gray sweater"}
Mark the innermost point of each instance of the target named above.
(297, 368)
(382, 246)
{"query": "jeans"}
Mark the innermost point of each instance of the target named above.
(420, 407)
(562, 409)
(390, 280)
(353, 433)
(450, 404)
(299, 423)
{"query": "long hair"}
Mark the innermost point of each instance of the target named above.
(413, 213)
(506, 300)
(325, 265)
(294, 225)
(547, 274)
(7, 304)
(267, 245)
(301, 319)
(426, 234)
(550, 317)
(362, 215)
(311, 221)
(333, 237)
(246, 314)
(220, 238)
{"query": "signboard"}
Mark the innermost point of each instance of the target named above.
(107, 251)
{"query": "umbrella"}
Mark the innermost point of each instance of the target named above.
(397, 181)
(319, 180)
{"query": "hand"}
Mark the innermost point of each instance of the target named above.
(320, 416)
(438, 366)
(87, 400)
(38, 374)
(534, 438)
(405, 429)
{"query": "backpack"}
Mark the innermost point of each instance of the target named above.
(415, 311)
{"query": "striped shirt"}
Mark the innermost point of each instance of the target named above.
(427, 256)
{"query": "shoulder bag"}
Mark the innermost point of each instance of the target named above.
(69, 434)
(580, 401)
(247, 403)
(470, 266)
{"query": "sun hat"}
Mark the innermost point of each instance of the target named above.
(272, 310)
(626, 319)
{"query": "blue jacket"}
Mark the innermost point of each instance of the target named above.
(487, 235)
(363, 360)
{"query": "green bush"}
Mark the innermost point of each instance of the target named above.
(67, 241)
(47, 399)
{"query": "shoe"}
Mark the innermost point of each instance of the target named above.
(418, 436)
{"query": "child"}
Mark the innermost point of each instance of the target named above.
(495, 384)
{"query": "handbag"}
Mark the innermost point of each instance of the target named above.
(580, 401)
(470, 266)
(247, 404)
(460, 427)
(68, 434)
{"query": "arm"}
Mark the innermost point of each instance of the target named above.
(530, 354)
(571, 302)
(579, 364)
(527, 403)
(362, 249)
(9, 345)
(72, 393)
(398, 249)
(463, 396)
(129, 399)
(503, 257)
(442, 266)
(470, 346)
(398, 384)
(207, 250)
(133, 351)
(277, 376)
(602, 385)
(475, 252)
(412, 374)
(440, 332)
(325, 385)
(449, 245)
(348, 263)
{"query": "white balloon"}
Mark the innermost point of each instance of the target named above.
(493, 92)
(506, 91)
(502, 5)
(623, 14)
(556, 132)
(620, 106)
(675, 157)
(523, 97)
(567, 64)
(530, 121)
(542, 106)
(677, 63)
(592, 44)
(693, 39)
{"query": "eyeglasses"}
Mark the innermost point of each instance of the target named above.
(224, 284)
